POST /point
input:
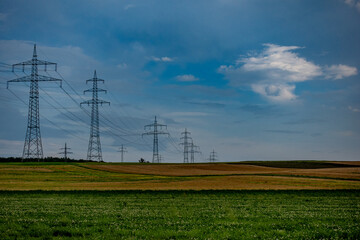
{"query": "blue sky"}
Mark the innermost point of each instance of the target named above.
(252, 79)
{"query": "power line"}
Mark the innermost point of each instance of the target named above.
(42, 116)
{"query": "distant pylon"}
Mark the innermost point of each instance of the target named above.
(157, 130)
(94, 148)
(213, 156)
(186, 144)
(65, 152)
(193, 149)
(122, 151)
(33, 145)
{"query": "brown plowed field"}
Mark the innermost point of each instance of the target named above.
(226, 176)
(228, 169)
(188, 169)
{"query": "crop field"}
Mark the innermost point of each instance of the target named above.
(252, 200)
(220, 176)
(316, 214)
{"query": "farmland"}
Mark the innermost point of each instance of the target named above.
(220, 176)
(252, 200)
(180, 214)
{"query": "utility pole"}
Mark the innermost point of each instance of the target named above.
(161, 159)
(187, 144)
(122, 150)
(213, 156)
(94, 148)
(33, 145)
(155, 129)
(193, 149)
(65, 152)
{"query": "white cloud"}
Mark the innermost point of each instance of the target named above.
(353, 109)
(281, 64)
(162, 59)
(187, 78)
(350, 2)
(353, 3)
(339, 71)
(274, 72)
(122, 66)
(278, 93)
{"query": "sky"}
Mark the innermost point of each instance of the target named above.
(250, 79)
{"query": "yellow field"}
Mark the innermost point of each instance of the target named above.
(108, 176)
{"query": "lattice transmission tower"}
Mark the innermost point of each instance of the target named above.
(155, 129)
(193, 149)
(213, 156)
(187, 144)
(94, 148)
(33, 145)
(122, 150)
(65, 152)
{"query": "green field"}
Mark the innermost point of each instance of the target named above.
(317, 214)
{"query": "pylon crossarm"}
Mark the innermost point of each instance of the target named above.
(148, 126)
(22, 64)
(148, 133)
(190, 138)
(96, 79)
(165, 133)
(88, 102)
(101, 102)
(98, 90)
(40, 78)
(22, 79)
(92, 101)
(33, 61)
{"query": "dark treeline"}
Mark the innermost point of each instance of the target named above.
(47, 159)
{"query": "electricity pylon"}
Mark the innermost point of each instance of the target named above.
(187, 144)
(157, 130)
(94, 148)
(65, 152)
(33, 145)
(122, 151)
(213, 156)
(193, 149)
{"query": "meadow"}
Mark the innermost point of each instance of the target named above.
(315, 214)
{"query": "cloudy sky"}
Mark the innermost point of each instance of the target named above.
(252, 79)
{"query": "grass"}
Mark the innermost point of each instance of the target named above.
(180, 215)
